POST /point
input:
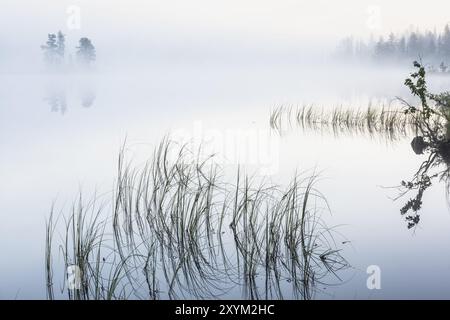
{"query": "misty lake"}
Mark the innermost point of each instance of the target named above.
(62, 134)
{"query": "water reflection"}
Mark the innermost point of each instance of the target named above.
(432, 116)
(431, 137)
(58, 97)
(87, 96)
(179, 230)
(387, 122)
(427, 121)
(434, 142)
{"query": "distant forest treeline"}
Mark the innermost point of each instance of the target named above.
(430, 46)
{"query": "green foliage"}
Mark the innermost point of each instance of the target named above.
(418, 86)
(432, 139)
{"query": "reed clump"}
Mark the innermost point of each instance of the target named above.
(176, 228)
(389, 122)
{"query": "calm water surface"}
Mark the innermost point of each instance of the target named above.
(60, 134)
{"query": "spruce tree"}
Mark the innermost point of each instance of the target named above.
(50, 50)
(86, 54)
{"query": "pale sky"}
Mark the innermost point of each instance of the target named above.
(258, 18)
(198, 24)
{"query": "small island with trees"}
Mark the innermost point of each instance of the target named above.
(55, 54)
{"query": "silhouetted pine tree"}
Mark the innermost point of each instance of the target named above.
(444, 46)
(86, 54)
(413, 47)
(401, 47)
(50, 50)
(61, 46)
